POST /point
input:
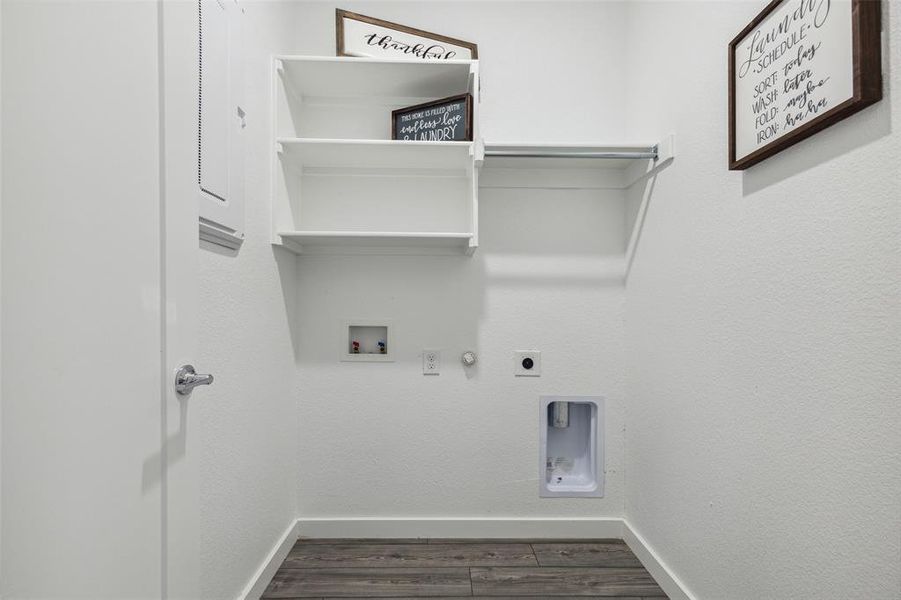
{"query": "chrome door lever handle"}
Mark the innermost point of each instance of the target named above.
(186, 379)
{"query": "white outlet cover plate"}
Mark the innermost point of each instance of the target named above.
(431, 362)
(521, 371)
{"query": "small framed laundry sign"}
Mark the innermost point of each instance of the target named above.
(445, 120)
(359, 35)
(799, 67)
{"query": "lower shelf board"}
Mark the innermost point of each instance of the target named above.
(378, 242)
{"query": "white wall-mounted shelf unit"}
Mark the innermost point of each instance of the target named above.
(586, 165)
(340, 184)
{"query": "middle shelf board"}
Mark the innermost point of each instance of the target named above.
(394, 241)
(396, 155)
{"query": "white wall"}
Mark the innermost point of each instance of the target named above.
(248, 418)
(762, 441)
(382, 440)
(549, 69)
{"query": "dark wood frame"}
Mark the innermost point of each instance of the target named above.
(340, 15)
(866, 25)
(467, 97)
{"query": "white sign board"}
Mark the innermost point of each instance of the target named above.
(793, 67)
(359, 35)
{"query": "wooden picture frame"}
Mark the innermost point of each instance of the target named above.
(429, 46)
(466, 98)
(866, 63)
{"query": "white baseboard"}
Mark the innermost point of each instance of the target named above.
(485, 528)
(461, 528)
(665, 578)
(273, 561)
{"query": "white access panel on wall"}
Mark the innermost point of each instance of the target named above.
(220, 161)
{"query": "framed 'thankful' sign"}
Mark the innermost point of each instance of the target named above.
(799, 67)
(359, 35)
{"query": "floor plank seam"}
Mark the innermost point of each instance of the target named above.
(534, 554)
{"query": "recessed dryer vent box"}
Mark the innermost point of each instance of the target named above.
(366, 341)
(571, 439)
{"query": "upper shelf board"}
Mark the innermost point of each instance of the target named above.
(396, 155)
(350, 77)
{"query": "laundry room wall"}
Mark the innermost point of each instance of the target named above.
(380, 440)
(762, 328)
(248, 418)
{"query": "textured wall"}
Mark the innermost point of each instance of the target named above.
(547, 68)
(248, 418)
(382, 439)
(762, 325)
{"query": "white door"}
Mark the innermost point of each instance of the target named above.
(99, 247)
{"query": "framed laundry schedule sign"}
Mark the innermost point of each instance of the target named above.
(799, 67)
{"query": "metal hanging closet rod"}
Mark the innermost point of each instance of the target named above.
(649, 152)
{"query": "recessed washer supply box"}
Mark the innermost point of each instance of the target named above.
(366, 340)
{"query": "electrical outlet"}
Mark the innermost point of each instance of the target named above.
(431, 362)
(527, 363)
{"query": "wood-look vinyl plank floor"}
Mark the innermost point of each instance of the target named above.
(305, 556)
(456, 568)
(512, 598)
(568, 581)
(613, 553)
(332, 541)
(372, 583)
